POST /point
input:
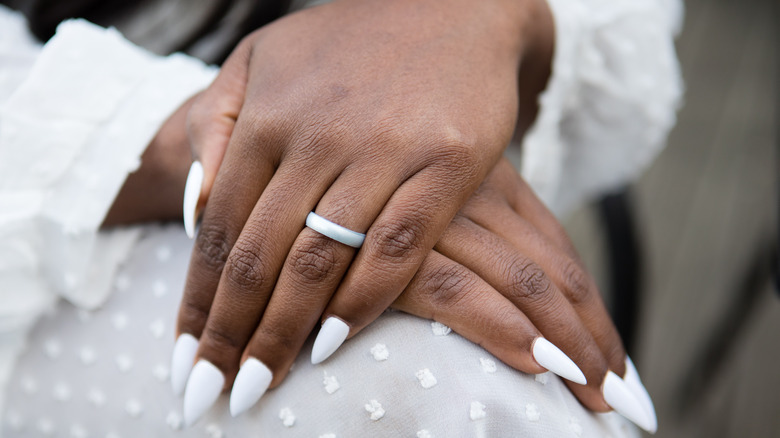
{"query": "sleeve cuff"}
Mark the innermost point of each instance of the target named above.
(610, 102)
(69, 137)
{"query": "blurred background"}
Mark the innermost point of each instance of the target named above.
(706, 335)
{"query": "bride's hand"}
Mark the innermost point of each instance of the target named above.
(505, 276)
(382, 117)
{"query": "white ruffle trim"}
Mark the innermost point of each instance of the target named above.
(69, 136)
(611, 101)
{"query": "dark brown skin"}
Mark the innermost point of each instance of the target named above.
(383, 117)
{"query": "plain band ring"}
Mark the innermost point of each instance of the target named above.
(334, 230)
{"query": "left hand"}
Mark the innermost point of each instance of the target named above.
(382, 117)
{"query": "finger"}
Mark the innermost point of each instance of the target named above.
(551, 250)
(257, 258)
(395, 246)
(513, 272)
(557, 255)
(236, 190)
(248, 268)
(504, 185)
(210, 123)
(311, 273)
(451, 294)
(630, 398)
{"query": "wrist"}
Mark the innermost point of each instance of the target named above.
(536, 63)
(154, 191)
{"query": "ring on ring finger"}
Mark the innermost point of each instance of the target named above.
(334, 231)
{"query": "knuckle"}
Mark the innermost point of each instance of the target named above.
(576, 284)
(320, 139)
(245, 267)
(447, 286)
(221, 342)
(527, 281)
(199, 113)
(314, 259)
(213, 244)
(276, 338)
(193, 314)
(456, 148)
(395, 240)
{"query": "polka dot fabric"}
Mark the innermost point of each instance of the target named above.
(106, 374)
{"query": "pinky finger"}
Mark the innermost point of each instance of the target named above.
(451, 294)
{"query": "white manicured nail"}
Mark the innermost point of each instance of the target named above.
(640, 392)
(191, 196)
(555, 360)
(203, 388)
(181, 363)
(251, 383)
(332, 334)
(620, 398)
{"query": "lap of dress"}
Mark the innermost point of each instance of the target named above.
(105, 373)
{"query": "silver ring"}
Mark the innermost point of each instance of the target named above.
(334, 231)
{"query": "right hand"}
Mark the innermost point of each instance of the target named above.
(504, 274)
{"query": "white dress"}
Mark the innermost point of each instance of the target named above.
(75, 116)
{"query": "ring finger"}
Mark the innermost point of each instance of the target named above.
(277, 322)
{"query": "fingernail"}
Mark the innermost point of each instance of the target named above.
(191, 196)
(332, 334)
(181, 363)
(620, 398)
(555, 360)
(251, 383)
(640, 392)
(203, 388)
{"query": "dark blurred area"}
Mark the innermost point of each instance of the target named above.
(705, 218)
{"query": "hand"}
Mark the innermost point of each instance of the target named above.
(532, 276)
(503, 274)
(380, 116)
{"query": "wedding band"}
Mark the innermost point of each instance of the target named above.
(334, 230)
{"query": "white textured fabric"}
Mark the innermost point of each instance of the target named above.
(103, 372)
(76, 115)
(610, 102)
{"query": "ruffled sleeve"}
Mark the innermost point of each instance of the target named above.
(610, 102)
(69, 135)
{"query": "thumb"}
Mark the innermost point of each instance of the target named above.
(210, 123)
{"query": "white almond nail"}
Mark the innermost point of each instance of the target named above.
(203, 388)
(640, 392)
(555, 360)
(619, 397)
(191, 196)
(181, 363)
(332, 334)
(251, 383)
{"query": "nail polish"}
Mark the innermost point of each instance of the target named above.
(191, 196)
(332, 334)
(203, 388)
(251, 383)
(551, 357)
(182, 360)
(621, 399)
(640, 392)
